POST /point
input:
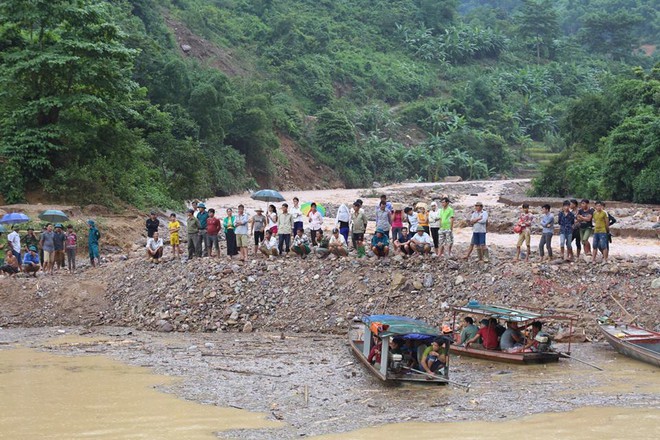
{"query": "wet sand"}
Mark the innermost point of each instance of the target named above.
(315, 387)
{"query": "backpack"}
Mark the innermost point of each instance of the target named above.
(611, 219)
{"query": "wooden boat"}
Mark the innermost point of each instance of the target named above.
(384, 328)
(520, 316)
(634, 342)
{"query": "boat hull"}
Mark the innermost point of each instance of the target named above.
(639, 344)
(503, 356)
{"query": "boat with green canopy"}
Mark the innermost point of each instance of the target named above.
(523, 318)
(386, 330)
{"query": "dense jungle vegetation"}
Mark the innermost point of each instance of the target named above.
(99, 104)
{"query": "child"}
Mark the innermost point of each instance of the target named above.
(174, 227)
(547, 223)
(525, 223)
(566, 221)
(71, 245)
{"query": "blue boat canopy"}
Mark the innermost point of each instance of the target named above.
(408, 328)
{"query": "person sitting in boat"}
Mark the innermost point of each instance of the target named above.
(537, 340)
(434, 357)
(488, 334)
(512, 338)
(409, 352)
(469, 330)
(374, 354)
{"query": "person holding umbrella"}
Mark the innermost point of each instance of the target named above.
(93, 244)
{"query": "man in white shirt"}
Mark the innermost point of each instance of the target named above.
(14, 241)
(155, 248)
(421, 242)
(479, 221)
(337, 245)
(269, 247)
(297, 216)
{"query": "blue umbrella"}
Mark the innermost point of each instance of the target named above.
(53, 216)
(13, 218)
(267, 195)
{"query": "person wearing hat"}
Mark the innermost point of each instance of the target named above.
(358, 228)
(478, 220)
(421, 242)
(59, 237)
(194, 239)
(343, 221)
(380, 244)
(31, 262)
(47, 244)
(152, 224)
(446, 233)
(423, 217)
(337, 245)
(14, 241)
(203, 216)
(93, 244)
(257, 228)
(174, 227)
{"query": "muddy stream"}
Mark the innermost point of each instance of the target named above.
(116, 383)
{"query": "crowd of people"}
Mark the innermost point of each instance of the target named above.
(54, 249)
(408, 231)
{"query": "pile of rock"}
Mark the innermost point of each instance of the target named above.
(290, 294)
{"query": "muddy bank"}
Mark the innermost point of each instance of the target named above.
(314, 386)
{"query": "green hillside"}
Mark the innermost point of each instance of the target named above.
(152, 102)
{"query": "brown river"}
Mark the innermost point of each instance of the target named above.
(120, 384)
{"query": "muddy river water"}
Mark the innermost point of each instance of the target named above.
(115, 383)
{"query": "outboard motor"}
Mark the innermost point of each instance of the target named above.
(396, 364)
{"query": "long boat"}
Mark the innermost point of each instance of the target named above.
(523, 318)
(382, 329)
(634, 342)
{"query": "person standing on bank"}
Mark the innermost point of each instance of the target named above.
(192, 229)
(202, 216)
(242, 238)
(479, 220)
(284, 229)
(229, 224)
(152, 224)
(93, 244)
(257, 228)
(212, 230)
(297, 214)
(315, 222)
